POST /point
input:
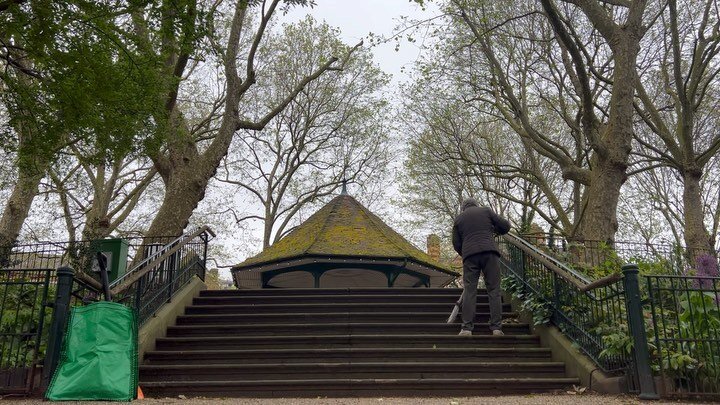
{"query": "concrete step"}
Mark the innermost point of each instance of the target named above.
(332, 299)
(337, 341)
(343, 343)
(355, 370)
(323, 307)
(333, 317)
(371, 387)
(335, 291)
(355, 328)
(396, 354)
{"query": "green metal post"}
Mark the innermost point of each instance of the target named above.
(637, 331)
(138, 293)
(556, 295)
(171, 278)
(61, 312)
(204, 238)
(523, 264)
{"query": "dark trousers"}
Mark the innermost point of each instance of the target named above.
(487, 263)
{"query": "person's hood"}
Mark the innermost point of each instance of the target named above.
(469, 202)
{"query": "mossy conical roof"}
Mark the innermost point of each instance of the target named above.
(343, 228)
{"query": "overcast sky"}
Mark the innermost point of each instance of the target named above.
(357, 18)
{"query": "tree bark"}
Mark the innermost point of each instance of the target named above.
(599, 218)
(598, 221)
(186, 171)
(110, 207)
(269, 219)
(697, 239)
(610, 139)
(18, 205)
(687, 85)
(184, 190)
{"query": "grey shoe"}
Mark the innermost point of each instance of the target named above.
(465, 333)
(498, 332)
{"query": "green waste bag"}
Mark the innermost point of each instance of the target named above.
(99, 356)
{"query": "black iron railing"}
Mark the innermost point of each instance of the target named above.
(76, 254)
(602, 317)
(686, 333)
(591, 256)
(582, 313)
(164, 270)
(630, 322)
(159, 268)
(24, 315)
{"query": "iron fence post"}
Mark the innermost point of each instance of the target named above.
(204, 237)
(139, 292)
(171, 278)
(637, 331)
(556, 293)
(523, 270)
(61, 311)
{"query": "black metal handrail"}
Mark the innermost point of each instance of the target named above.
(587, 312)
(675, 259)
(559, 267)
(580, 313)
(155, 259)
(76, 254)
(156, 278)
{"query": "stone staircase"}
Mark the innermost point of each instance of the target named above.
(343, 342)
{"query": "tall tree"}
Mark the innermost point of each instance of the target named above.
(185, 159)
(453, 153)
(332, 132)
(604, 113)
(98, 198)
(71, 72)
(678, 98)
(481, 122)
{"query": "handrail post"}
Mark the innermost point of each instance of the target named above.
(556, 293)
(61, 311)
(139, 292)
(171, 278)
(637, 331)
(205, 240)
(523, 268)
(102, 264)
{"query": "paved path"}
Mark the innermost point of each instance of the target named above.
(550, 399)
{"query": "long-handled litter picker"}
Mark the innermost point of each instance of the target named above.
(456, 309)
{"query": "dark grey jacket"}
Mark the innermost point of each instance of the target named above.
(474, 231)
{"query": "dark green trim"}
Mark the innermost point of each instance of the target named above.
(295, 261)
(318, 269)
(392, 276)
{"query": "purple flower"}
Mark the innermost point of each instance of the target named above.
(706, 266)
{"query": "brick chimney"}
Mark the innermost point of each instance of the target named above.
(433, 246)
